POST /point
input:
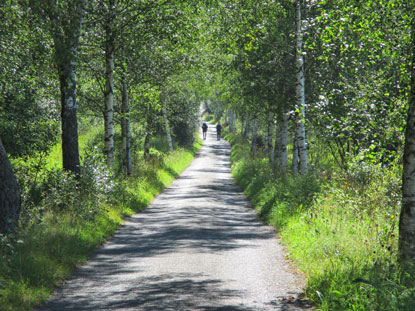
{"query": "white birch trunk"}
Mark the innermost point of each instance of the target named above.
(167, 127)
(300, 94)
(109, 92)
(254, 136)
(125, 126)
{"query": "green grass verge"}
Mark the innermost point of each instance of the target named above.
(54, 158)
(38, 258)
(340, 231)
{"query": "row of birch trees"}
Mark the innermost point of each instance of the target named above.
(337, 73)
(122, 61)
(304, 73)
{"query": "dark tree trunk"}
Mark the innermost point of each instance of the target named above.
(9, 194)
(270, 138)
(407, 216)
(295, 157)
(66, 30)
(125, 128)
(70, 149)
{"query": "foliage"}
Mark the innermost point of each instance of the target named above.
(340, 229)
(28, 120)
(236, 56)
(359, 76)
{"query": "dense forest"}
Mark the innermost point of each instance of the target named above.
(99, 100)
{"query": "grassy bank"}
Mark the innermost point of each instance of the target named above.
(340, 229)
(72, 218)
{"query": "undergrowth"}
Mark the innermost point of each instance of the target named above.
(65, 219)
(340, 229)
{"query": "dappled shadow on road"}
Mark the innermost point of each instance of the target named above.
(181, 291)
(197, 214)
(204, 215)
(184, 291)
(196, 223)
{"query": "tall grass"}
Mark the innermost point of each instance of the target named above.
(340, 229)
(71, 218)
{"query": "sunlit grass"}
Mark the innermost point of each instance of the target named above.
(339, 231)
(54, 158)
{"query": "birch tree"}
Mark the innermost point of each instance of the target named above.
(281, 141)
(125, 127)
(300, 93)
(109, 49)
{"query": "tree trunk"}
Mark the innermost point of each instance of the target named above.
(167, 127)
(300, 94)
(277, 145)
(109, 89)
(66, 41)
(270, 148)
(283, 143)
(125, 128)
(254, 136)
(9, 195)
(407, 216)
(295, 157)
(70, 148)
(233, 112)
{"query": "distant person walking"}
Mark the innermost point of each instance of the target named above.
(218, 130)
(204, 129)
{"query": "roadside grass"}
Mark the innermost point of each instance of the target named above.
(53, 241)
(54, 158)
(341, 230)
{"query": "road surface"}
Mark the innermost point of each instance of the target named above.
(198, 246)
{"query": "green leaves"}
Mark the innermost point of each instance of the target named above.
(358, 51)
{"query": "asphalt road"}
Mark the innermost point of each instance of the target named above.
(198, 246)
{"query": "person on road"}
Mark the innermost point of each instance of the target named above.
(218, 130)
(204, 129)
